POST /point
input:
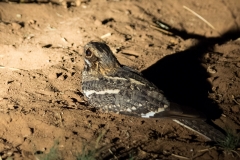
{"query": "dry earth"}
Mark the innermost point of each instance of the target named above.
(41, 104)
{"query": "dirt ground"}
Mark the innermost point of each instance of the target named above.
(42, 109)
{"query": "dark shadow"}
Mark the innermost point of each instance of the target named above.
(181, 33)
(182, 77)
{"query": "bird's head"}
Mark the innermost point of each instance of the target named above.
(99, 59)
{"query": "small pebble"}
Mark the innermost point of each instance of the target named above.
(238, 64)
(238, 74)
(211, 70)
(18, 15)
(97, 22)
(9, 153)
(235, 108)
(16, 26)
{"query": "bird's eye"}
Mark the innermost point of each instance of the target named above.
(88, 53)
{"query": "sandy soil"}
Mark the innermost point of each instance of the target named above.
(41, 104)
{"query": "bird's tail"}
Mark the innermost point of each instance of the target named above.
(202, 128)
(193, 120)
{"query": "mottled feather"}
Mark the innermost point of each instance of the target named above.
(112, 87)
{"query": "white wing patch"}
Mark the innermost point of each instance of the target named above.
(151, 113)
(115, 78)
(147, 115)
(136, 82)
(109, 91)
(161, 109)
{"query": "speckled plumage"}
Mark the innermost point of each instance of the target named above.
(112, 87)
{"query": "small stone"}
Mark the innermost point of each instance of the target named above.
(141, 152)
(26, 132)
(154, 155)
(84, 6)
(28, 154)
(238, 64)
(52, 76)
(97, 22)
(127, 12)
(2, 147)
(211, 70)
(129, 28)
(132, 57)
(9, 153)
(107, 140)
(18, 15)
(235, 108)
(10, 106)
(32, 21)
(16, 26)
(78, 2)
(210, 79)
(238, 74)
(17, 156)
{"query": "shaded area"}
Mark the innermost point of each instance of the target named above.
(182, 77)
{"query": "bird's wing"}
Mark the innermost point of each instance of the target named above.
(152, 100)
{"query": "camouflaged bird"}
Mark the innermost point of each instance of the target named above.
(112, 87)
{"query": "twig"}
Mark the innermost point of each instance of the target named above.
(236, 101)
(112, 154)
(200, 17)
(181, 157)
(15, 69)
(235, 152)
(162, 30)
(233, 98)
(204, 150)
(130, 53)
(223, 115)
(106, 35)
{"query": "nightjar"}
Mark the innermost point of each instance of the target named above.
(112, 87)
